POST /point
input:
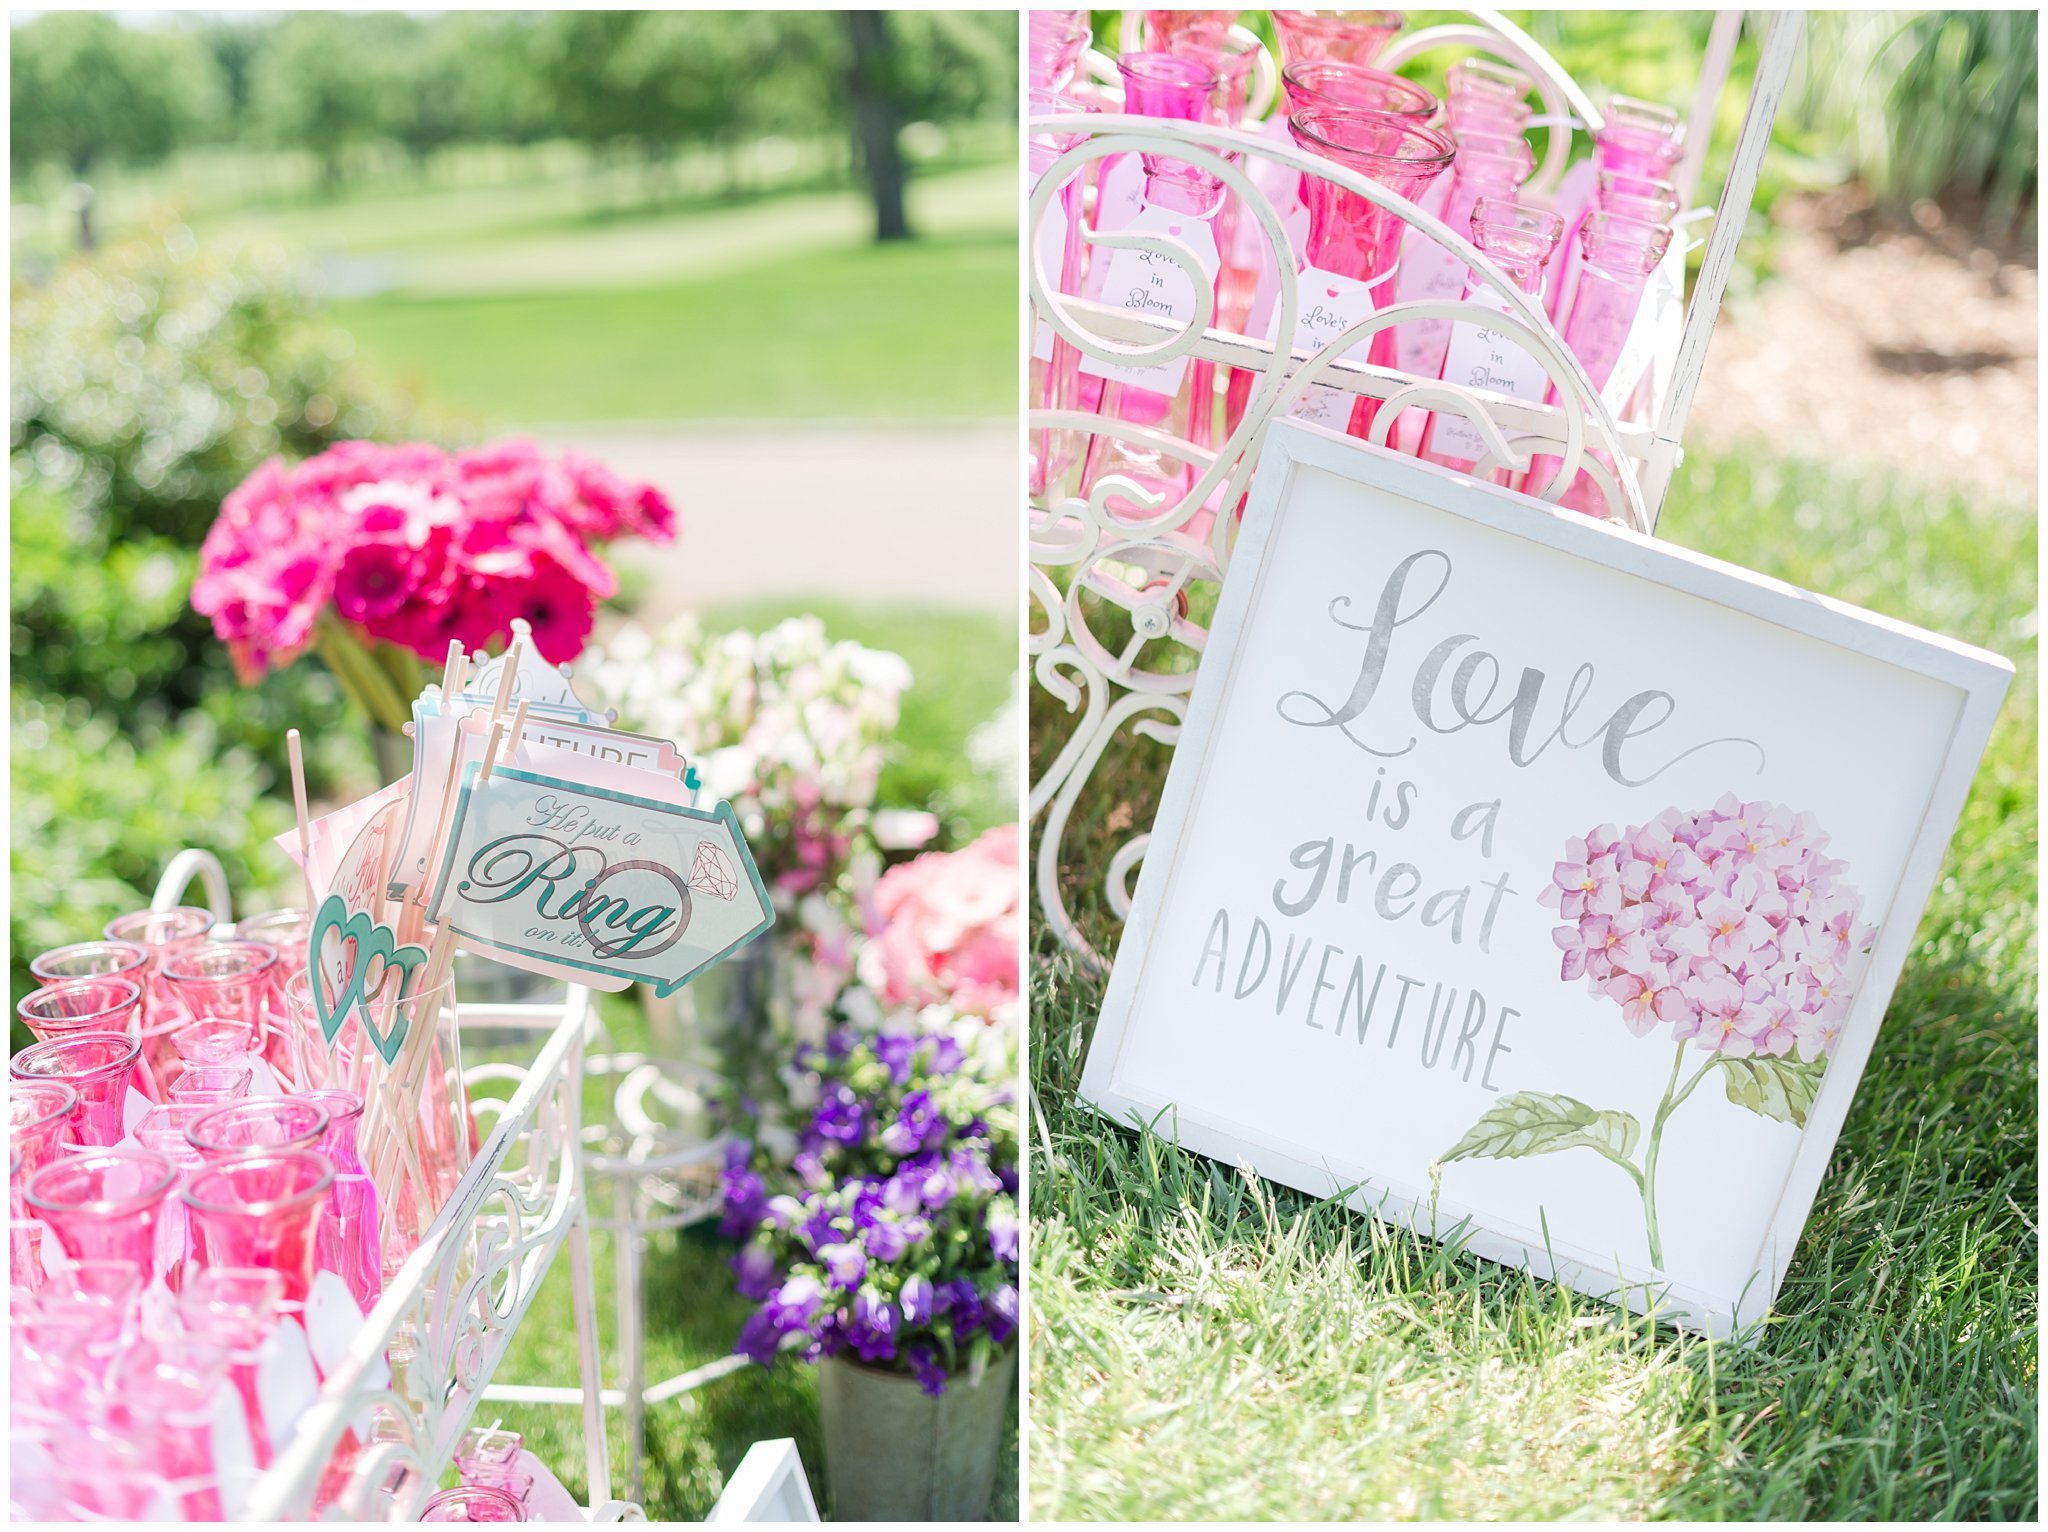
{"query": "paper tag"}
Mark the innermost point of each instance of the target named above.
(1328, 304)
(1157, 286)
(1482, 357)
(1572, 203)
(1282, 187)
(286, 1385)
(1119, 197)
(332, 1321)
(548, 1501)
(134, 1107)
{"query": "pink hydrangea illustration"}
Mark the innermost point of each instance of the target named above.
(1730, 926)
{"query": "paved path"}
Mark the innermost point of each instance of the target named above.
(916, 515)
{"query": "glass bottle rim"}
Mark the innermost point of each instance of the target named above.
(127, 956)
(158, 1173)
(125, 1050)
(1315, 77)
(189, 965)
(64, 1102)
(1488, 77)
(122, 995)
(200, 1132)
(316, 1177)
(1328, 127)
(160, 928)
(1153, 67)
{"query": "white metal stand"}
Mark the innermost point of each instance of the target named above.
(1088, 562)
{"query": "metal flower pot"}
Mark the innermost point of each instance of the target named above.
(895, 1453)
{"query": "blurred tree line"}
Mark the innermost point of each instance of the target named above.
(89, 92)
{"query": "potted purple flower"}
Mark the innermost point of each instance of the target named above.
(891, 1260)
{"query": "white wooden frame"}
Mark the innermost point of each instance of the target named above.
(1979, 679)
(769, 1485)
(1076, 547)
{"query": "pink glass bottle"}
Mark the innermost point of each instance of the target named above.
(237, 1310)
(1053, 44)
(287, 933)
(1481, 95)
(261, 1211)
(1349, 237)
(211, 1084)
(1520, 240)
(160, 933)
(1356, 37)
(1176, 89)
(91, 960)
(98, 1066)
(37, 1113)
(103, 1205)
(69, 1006)
(348, 1241)
(473, 1502)
(1055, 361)
(223, 981)
(267, 1122)
(1638, 198)
(1164, 30)
(1640, 138)
(163, 1132)
(166, 1390)
(1488, 165)
(1354, 87)
(1618, 256)
(490, 1457)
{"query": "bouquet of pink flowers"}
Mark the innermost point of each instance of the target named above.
(946, 927)
(374, 553)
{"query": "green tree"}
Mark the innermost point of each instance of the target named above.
(88, 90)
(329, 81)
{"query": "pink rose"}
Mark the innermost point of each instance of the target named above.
(947, 928)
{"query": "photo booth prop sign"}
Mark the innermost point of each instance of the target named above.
(594, 885)
(1539, 885)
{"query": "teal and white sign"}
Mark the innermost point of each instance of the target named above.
(596, 886)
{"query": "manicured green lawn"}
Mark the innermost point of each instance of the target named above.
(1207, 1345)
(962, 663)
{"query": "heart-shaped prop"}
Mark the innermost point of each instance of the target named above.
(365, 942)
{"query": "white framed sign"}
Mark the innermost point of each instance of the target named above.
(1533, 882)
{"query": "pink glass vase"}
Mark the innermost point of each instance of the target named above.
(348, 1242)
(91, 960)
(1354, 87)
(1349, 237)
(165, 1390)
(160, 933)
(267, 1122)
(1356, 37)
(69, 1006)
(1618, 256)
(261, 1211)
(1164, 30)
(98, 1066)
(1637, 198)
(489, 1457)
(1520, 240)
(103, 1205)
(224, 981)
(1165, 86)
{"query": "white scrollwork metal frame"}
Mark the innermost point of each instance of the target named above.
(450, 1312)
(1083, 553)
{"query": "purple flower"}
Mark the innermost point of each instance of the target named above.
(917, 1124)
(796, 1302)
(1002, 1314)
(886, 1240)
(938, 1189)
(1002, 1232)
(755, 1268)
(946, 1056)
(905, 1191)
(896, 1053)
(811, 1170)
(746, 1202)
(925, 1363)
(872, 1329)
(760, 1338)
(958, 1300)
(918, 1299)
(844, 1264)
(840, 1118)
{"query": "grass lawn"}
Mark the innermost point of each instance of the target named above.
(1208, 1345)
(962, 664)
(925, 329)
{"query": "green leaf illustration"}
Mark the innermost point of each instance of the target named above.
(1781, 1089)
(1530, 1122)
